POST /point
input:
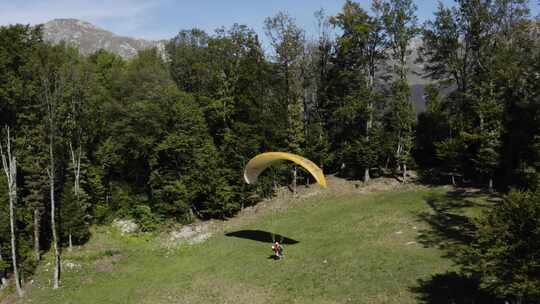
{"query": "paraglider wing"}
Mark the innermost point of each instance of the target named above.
(262, 161)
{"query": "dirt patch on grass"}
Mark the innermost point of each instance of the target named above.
(108, 263)
(188, 234)
(9, 299)
(87, 280)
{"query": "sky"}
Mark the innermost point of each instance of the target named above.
(162, 19)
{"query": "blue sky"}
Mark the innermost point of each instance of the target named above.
(159, 19)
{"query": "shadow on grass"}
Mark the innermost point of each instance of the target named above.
(262, 236)
(452, 288)
(450, 230)
(274, 257)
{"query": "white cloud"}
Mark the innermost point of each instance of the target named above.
(120, 16)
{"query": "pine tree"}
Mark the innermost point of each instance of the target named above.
(18, 48)
(505, 248)
(35, 199)
(487, 136)
(376, 48)
(288, 40)
(73, 224)
(33, 164)
(76, 132)
(352, 96)
(190, 61)
(318, 56)
(53, 82)
(432, 128)
(401, 27)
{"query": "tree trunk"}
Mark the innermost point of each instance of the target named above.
(399, 148)
(10, 169)
(398, 153)
(490, 185)
(191, 215)
(56, 277)
(453, 180)
(366, 175)
(369, 123)
(50, 99)
(76, 160)
(404, 173)
(12, 200)
(3, 280)
(294, 180)
(37, 228)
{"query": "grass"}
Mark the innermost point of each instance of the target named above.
(389, 247)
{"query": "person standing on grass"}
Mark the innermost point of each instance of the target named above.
(278, 250)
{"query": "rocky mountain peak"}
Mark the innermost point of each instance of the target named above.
(90, 38)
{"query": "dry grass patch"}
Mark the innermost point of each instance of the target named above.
(108, 263)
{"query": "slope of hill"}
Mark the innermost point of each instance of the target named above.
(385, 243)
(90, 38)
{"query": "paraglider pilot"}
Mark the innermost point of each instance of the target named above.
(278, 250)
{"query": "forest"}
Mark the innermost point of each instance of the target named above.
(164, 137)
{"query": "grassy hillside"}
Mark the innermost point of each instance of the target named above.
(353, 247)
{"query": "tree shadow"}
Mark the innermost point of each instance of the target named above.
(450, 230)
(262, 236)
(452, 288)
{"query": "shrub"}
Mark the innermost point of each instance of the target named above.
(505, 253)
(147, 220)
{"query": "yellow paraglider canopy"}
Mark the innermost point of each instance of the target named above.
(264, 160)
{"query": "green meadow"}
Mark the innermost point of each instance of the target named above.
(382, 247)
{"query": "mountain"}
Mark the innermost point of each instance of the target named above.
(416, 81)
(91, 38)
